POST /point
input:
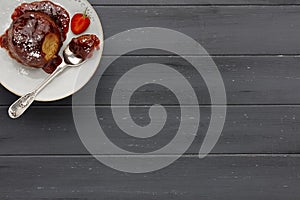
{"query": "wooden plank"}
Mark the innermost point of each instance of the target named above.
(194, 2)
(230, 177)
(229, 30)
(248, 81)
(248, 129)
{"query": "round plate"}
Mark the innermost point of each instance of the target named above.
(20, 79)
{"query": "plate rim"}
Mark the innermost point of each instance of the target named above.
(75, 90)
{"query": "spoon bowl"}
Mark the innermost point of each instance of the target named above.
(71, 59)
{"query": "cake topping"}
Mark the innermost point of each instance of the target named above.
(80, 22)
(56, 12)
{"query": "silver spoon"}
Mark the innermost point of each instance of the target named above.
(24, 102)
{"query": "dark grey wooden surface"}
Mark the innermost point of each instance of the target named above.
(256, 47)
(215, 177)
(248, 129)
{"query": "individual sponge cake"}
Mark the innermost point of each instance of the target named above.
(33, 39)
(36, 34)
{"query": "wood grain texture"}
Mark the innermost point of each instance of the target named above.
(248, 129)
(220, 178)
(229, 30)
(247, 80)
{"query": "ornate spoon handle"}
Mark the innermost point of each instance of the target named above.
(24, 102)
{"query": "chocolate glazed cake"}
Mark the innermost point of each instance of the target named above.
(36, 34)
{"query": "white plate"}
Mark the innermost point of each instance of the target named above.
(21, 80)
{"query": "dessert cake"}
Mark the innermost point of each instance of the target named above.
(36, 34)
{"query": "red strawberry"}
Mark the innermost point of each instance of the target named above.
(80, 22)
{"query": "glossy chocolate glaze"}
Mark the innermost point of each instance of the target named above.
(26, 35)
(32, 22)
(56, 12)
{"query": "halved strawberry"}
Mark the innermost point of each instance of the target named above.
(80, 22)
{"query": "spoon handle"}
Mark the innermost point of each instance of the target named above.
(58, 70)
(24, 102)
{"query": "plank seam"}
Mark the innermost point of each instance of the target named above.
(193, 5)
(203, 55)
(144, 156)
(166, 105)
